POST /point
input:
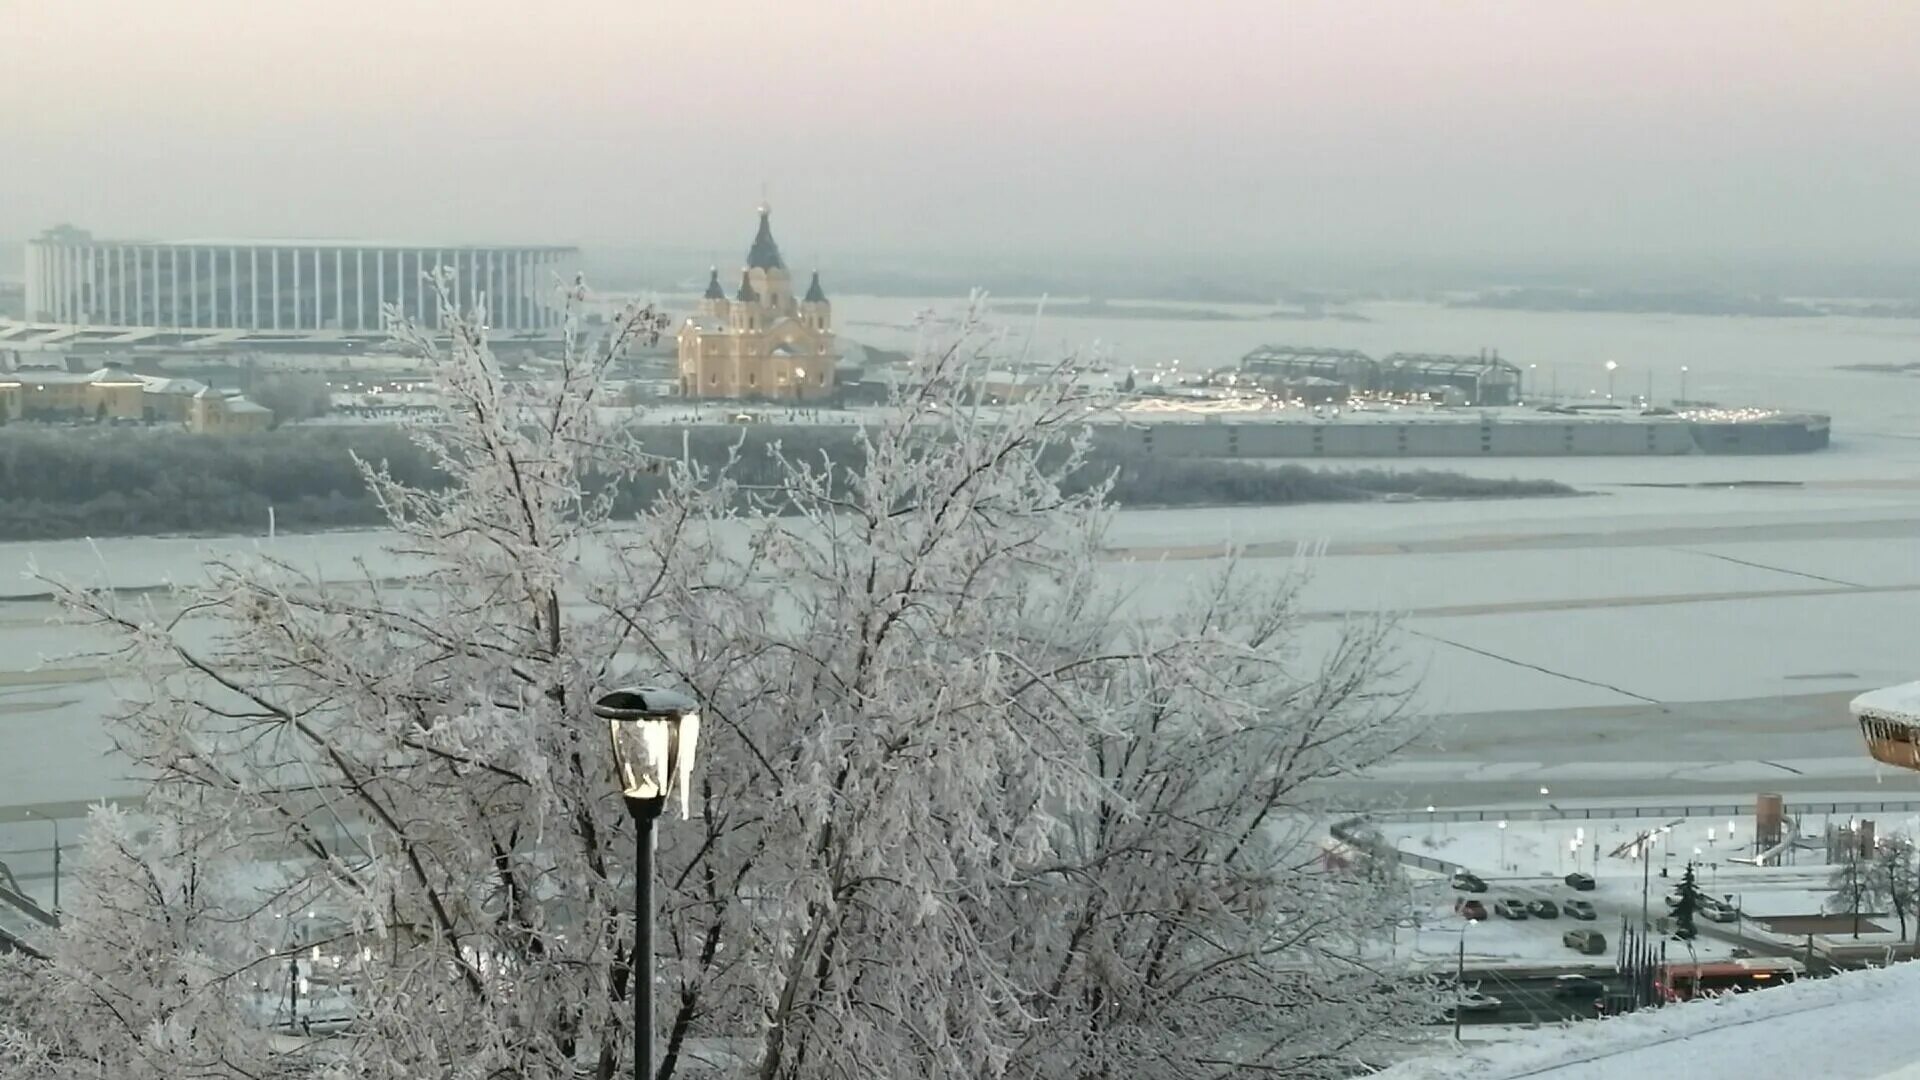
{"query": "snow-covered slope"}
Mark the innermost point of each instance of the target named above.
(1857, 1026)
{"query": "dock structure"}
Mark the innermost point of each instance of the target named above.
(1482, 379)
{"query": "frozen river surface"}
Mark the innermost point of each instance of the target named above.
(1635, 640)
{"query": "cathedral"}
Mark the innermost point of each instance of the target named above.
(764, 342)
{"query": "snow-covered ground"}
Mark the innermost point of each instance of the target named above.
(1529, 856)
(1856, 1026)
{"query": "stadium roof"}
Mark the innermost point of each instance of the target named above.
(316, 242)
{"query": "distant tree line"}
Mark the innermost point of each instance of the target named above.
(138, 482)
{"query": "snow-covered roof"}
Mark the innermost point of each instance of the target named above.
(1890, 703)
(172, 385)
(242, 405)
(48, 376)
(1855, 1026)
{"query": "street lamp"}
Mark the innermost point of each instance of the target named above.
(655, 733)
(1683, 385)
(1611, 368)
(1460, 978)
(1503, 844)
(55, 822)
(799, 379)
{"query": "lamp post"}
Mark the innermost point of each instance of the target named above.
(1644, 849)
(1683, 385)
(799, 380)
(1611, 368)
(655, 733)
(55, 822)
(1503, 844)
(1460, 978)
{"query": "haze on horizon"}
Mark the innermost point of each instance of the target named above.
(1465, 130)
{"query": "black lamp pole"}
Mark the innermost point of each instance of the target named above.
(654, 735)
(645, 813)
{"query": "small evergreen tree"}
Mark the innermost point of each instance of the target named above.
(1688, 905)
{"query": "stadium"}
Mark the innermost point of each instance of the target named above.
(85, 290)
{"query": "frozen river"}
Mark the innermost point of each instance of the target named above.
(1635, 640)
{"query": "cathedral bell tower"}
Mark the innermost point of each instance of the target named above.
(763, 343)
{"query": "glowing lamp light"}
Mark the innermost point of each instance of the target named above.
(655, 736)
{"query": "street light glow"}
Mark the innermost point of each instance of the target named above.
(655, 734)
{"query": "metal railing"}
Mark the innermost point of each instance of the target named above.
(1555, 812)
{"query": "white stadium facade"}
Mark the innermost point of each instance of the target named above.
(269, 288)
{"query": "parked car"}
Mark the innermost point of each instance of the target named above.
(1580, 882)
(1543, 909)
(1583, 986)
(1510, 909)
(1471, 909)
(1579, 909)
(1590, 942)
(1719, 911)
(1466, 882)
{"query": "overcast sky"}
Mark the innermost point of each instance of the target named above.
(1424, 128)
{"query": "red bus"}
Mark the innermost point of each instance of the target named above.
(1685, 981)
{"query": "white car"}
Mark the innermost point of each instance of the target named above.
(1719, 911)
(1474, 1001)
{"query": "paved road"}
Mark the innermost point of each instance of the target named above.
(1534, 997)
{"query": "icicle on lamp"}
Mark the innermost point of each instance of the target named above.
(656, 734)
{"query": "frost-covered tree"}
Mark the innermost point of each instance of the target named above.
(1893, 878)
(1850, 884)
(960, 811)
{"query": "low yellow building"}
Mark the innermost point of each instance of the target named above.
(114, 395)
(214, 414)
(764, 342)
(49, 394)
